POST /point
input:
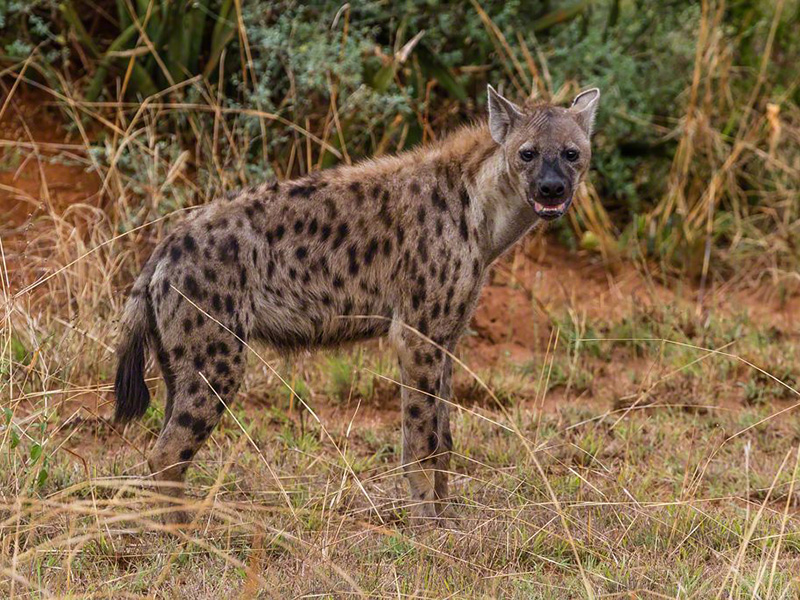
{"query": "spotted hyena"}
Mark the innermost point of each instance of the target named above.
(396, 246)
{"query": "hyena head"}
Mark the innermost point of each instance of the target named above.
(546, 147)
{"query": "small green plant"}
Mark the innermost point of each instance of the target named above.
(341, 376)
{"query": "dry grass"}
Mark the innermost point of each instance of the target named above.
(656, 457)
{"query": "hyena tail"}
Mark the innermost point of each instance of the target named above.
(132, 395)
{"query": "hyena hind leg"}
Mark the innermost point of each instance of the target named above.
(196, 410)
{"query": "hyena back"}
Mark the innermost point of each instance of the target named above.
(397, 246)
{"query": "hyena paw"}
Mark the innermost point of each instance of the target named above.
(447, 516)
(427, 515)
(177, 519)
(423, 515)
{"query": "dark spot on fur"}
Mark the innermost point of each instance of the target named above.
(353, 267)
(414, 187)
(422, 249)
(433, 442)
(185, 419)
(229, 304)
(358, 194)
(301, 253)
(421, 215)
(229, 251)
(312, 227)
(175, 253)
(423, 326)
(424, 384)
(304, 190)
(299, 225)
(192, 287)
(199, 428)
(189, 243)
(413, 411)
(371, 251)
(325, 232)
(222, 367)
(341, 235)
(462, 227)
(383, 214)
(330, 206)
(280, 231)
(438, 201)
(186, 454)
(187, 325)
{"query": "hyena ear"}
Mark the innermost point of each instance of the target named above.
(503, 114)
(584, 108)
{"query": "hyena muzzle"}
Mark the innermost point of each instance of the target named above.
(397, 246)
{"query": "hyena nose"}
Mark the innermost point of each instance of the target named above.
(552, 188)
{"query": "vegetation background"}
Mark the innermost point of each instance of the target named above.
(118, 114)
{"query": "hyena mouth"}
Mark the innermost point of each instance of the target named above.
(550, 213)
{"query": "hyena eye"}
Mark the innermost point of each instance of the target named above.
(528, 155)
(571, 155)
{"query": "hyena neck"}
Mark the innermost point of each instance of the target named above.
(503, 213)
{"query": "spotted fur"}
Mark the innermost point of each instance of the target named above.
(395, 247)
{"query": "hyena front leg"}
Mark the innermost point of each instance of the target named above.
(421, 367)
(444, 510)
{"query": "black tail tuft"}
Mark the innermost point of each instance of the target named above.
(132, 394)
